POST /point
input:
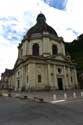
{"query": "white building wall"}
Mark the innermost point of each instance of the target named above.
(49, 75)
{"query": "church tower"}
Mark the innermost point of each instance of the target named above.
(42, 62)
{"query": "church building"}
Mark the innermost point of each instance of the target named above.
(42, 61)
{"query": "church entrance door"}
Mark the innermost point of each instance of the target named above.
(60, 83)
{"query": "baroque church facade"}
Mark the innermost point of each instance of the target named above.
(42, 61)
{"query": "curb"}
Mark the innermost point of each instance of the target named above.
(41, 99)
(19, 96)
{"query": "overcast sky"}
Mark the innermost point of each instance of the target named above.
(17, 16)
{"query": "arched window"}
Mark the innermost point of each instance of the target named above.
(59, 70)
(35, 50)
(54, 50)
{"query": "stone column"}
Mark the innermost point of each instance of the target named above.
(55, 78)
(29, 48)
(24, 77)
(34, 74)
(63, 49)
(65, 79)
(69, 77)
(29, 77)
(21, 78)
(49, 75)
(15, 81)
(75, 77)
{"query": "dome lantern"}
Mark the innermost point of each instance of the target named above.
(40, 27)
(41, 18)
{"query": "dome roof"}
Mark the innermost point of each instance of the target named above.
(40, 27)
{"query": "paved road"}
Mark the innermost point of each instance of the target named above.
(27, 112)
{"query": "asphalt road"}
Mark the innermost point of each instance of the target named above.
(27, 112)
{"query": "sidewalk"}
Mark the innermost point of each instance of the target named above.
(50, 96)
(53, 95)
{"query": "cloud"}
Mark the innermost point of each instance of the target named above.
(17, 7)
(8, 54)
(58, 4)
(73, 31)
(74, 11)
(17, 16)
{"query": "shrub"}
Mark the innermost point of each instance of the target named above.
(0, 93)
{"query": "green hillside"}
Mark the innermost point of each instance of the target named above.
(75, 49)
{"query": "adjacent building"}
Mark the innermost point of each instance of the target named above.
(6, 79)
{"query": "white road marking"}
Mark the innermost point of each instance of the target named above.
(57, 101)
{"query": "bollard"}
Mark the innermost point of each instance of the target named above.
(74, 95)
(65, 96)
(81, 94)
(54, 97)
(25, 97)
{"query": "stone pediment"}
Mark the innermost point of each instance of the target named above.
(62, 58)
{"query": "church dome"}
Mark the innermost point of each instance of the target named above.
(40, 27)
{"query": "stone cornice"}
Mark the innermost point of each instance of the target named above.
(41, 59)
